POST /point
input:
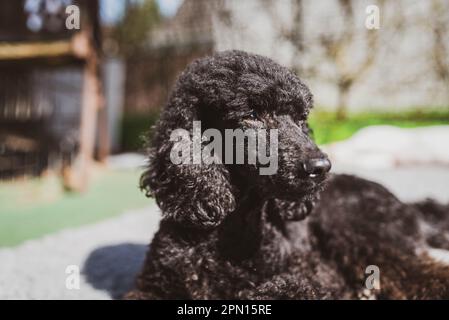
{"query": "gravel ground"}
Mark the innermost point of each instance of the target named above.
(408, 183)
(110, 253)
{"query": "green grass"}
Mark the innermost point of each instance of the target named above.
(35, 207)
(326, 128)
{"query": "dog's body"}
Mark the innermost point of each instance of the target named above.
(229, 233)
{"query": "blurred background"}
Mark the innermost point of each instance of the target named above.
(75, 104)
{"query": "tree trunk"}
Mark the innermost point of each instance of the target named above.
(343, 93)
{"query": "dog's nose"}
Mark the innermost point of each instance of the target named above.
(317, 166)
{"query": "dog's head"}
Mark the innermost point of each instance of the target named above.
(234, 90)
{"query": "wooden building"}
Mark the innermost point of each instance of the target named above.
(51, 114)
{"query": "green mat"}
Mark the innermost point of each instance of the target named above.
(35, 207)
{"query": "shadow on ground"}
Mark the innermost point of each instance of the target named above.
(114, 268)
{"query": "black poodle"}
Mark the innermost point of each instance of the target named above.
(229, 232)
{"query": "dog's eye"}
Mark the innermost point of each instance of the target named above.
(253, 115)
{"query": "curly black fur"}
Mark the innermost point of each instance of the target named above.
(228, 232)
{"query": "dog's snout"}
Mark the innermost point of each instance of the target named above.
(317, 166)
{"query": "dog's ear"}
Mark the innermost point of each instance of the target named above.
(200, 195)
